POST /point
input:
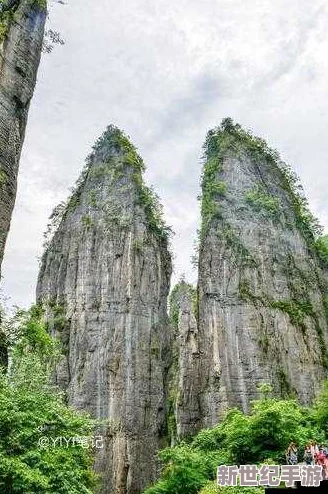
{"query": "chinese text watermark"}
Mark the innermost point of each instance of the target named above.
(86, 442)
(269, 475)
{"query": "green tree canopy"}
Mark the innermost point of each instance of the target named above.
(31, 410)
(261, 436)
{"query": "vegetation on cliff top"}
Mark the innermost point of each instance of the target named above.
(6, 15)
(119, 158)
(7, 10)
(231, 138)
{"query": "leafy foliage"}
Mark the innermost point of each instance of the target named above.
(321, 246)
(296, 310)
(30, 408)
(320, 409)
(7, 11)
(149, 200)
(261, 201)
(40, 3)
(186, 470)
(212, 189)
(5, 21)
(213, 488)
(261, 436)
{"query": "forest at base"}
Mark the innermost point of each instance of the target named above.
(30, 408)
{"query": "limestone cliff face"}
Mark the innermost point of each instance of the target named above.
(185, 390)
(21, 36)
(104, 281)
(262, 291)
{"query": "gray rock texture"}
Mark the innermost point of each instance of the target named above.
(262, 289)
(185, 380)
(21, 38)
(104, 282)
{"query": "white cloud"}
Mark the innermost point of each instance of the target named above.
(166, 72)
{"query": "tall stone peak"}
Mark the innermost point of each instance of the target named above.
(104, 282)
(262, 284)
(111, 190)
(183, 297)
(184, 418)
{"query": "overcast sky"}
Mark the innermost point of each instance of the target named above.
(166, 71)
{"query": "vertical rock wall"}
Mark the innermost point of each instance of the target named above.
(104, 281)
(21, 38)
(262, 289)
(185, 389)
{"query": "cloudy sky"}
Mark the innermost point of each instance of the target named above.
(166, 71)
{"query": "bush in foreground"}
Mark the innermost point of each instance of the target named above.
(31, 409)
(254, 438)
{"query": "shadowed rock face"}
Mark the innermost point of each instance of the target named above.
(20, 51)
(104, 281)
(262, 292)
